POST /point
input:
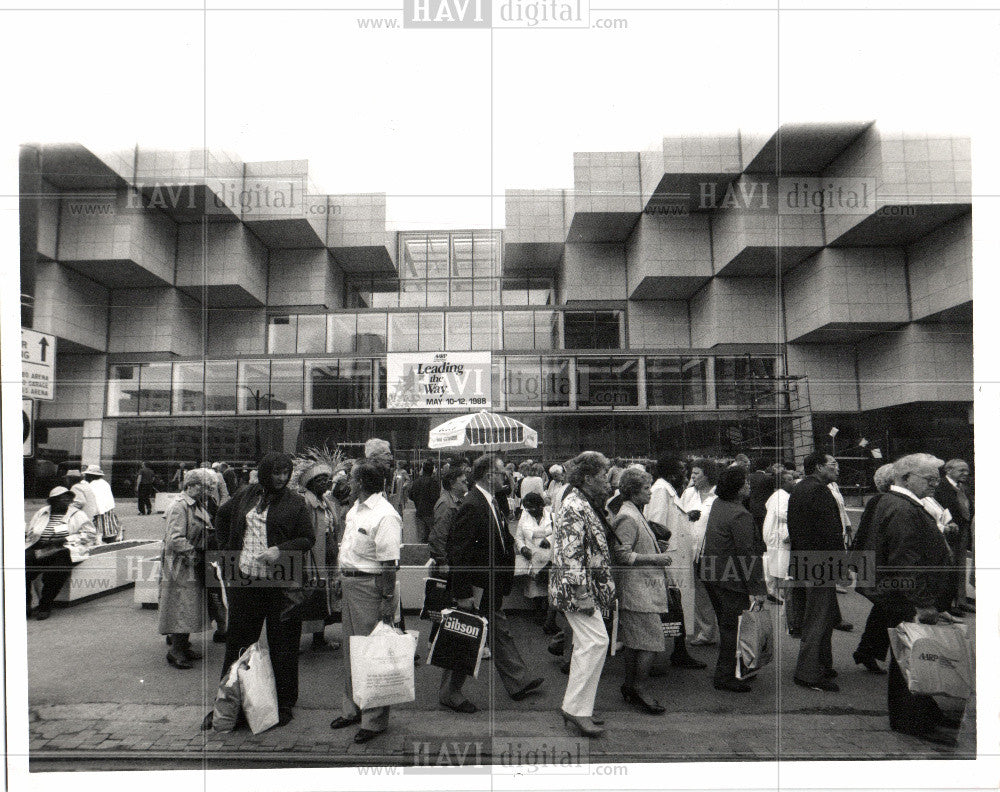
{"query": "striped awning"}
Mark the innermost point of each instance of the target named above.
(483, 430)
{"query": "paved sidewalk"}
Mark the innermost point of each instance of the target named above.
(102, 695)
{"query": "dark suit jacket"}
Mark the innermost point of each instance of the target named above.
(947, 496)
(478, 554)
(733, 549)
(911, 555)
(813, 520)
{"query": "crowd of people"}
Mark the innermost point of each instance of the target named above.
(638, 554)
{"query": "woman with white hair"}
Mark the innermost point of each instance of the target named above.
(182, 600)
(874, 643)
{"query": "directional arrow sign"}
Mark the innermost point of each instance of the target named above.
(38, 365)
(28, 429)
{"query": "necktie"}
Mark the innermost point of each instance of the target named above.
(495, 508)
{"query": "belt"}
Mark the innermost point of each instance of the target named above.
(357, 573)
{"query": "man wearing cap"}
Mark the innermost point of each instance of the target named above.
(58, 536)
(105, 520)
(315, 481)
(83, 491)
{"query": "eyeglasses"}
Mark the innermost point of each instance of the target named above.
(931, 480)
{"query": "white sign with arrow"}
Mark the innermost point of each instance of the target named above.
(38, 365)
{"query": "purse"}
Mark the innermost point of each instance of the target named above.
(311, 602)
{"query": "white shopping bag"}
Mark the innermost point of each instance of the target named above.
(936, 659)
(754, 641)
(382, 667)
(260, 697)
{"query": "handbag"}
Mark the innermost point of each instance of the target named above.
(382, 667)
(754, 641)
(458, 645)
(935, 659)
(310, 602)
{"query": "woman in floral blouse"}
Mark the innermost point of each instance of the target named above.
(580, 583)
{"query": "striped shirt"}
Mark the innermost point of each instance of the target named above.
(254, 543)
(56, 529)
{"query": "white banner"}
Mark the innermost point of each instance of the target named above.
(438, 380)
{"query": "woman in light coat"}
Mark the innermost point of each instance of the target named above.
(58, 536)
(642, 588)
(182, 600)
(779, 546)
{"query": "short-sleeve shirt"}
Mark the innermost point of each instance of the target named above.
(373, 534)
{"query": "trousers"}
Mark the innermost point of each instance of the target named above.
(250, 608)
(507, 659)
(55, 570)
(822, 614)
(705, 629)
(359, 615)
(590, 649)
(874, 641)
(728, 605)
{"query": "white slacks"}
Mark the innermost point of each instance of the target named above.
(590, 648)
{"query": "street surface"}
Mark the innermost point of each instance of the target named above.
(102, 695)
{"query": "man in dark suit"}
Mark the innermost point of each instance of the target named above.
(953, 494)
(816, 532)
(481, 556)
(911, 584)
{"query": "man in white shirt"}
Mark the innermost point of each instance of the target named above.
(696, 501)
(368, 559)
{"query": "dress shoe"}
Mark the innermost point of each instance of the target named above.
(324, 646)
(206, 724)
(844, 627)
(557, 646)
(585, 726)
(870, 663)
(686, 661)
(43, 613)
(550, 628)
(343, 723)
(830, 673)
(632, 696)
(968, 607)
(191, 653)
(364, 735)
(284, 715)
(466, 707)
(733, 686)
(487, 654)
(527, 690)
(825, 685)
(178, 660)
(598, 720)
(935, 736)
(775, 600)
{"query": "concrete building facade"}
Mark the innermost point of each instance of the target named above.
(718, 294)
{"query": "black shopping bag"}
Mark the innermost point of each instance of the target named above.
(436, 599)
(673, 619)
(458, 645)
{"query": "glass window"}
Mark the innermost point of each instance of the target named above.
(123, 390)
(403, 332)
(486, 292)
(340, 384)
(540, 293)
(694, 375)
(386, 298)
(740, 381)
(518, 330)
(220, 386)
(413, 294)
(607, 330)
(154, 388)
(437, 256)
(371, 334)
(607, 382)
(340, 336)
(461, 265)
(579, 329)
(485, 256)
(437, 293)
(254, 385)
(286, 386)
(312, 334)
(458, 331)
(189, 387)
(281, 335)
(556, 385)
(355, 385)
(547, 333)
(359, 293)
(522, 383)
(664, 382)
(461, 292)
(514, 292)
(487, 327)
(414, 264)
(431, 331)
